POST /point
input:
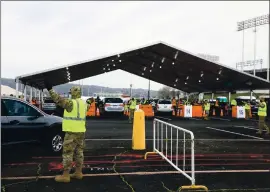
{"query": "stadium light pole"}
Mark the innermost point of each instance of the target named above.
(254, 22)
(149, 89)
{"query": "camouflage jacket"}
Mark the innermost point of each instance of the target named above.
(66, 104)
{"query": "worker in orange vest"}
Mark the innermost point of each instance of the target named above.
(174, 105)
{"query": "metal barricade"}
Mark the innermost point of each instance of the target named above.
(158, 148)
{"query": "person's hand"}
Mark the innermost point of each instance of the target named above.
(48, 86)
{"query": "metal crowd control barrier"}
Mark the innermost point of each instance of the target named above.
(158, 140)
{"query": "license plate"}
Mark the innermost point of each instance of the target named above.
(165, 106)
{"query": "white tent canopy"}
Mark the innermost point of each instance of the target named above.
(6, 90)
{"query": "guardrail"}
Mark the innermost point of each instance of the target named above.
(158, 141)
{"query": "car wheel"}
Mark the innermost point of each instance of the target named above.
(54, 142)
(57, 143)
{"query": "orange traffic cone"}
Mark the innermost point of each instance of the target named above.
(98, 114)
(214, 112)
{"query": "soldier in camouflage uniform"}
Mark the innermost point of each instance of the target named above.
(74, 136)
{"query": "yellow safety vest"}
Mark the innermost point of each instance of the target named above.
(207, 107)
(133, 104)
(262, 111)
(75, 120)
(233, 102)
(247, 106)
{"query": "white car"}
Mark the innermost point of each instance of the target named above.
(113, 105)
(164, 106)
(48, 105)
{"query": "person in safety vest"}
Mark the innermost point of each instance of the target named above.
(233, 102)
(74, 126)
(206, 108)
(174, 105)
(143, 101)
(247, 109)
(132, 107)
(262, 113)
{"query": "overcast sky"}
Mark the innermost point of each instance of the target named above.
(42, 35)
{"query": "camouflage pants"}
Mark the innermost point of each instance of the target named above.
(262, 125)
(131, 115)
(247, 113)
(73, 146)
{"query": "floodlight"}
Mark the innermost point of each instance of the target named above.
(217, 78)
(163, 59)
(201, 73)
(176, 54)
(172, 63)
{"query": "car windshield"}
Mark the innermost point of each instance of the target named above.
(113, 100)
(164, 102)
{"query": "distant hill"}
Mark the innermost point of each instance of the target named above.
(89, 89)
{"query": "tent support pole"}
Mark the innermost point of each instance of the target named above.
(31, 94)
(24, 93)
(17, 88)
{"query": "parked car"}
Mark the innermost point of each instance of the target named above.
(48, 106)
(253, 104)
(112, 105)
(164, 106)
(22, 122)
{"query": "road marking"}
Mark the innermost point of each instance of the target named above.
(218, 118)
(196, 119)
(140, 173)
(163, 118)
(180, 140)
(234, 133)
(248, 127)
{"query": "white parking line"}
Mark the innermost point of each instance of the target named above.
(139, 173)
(219, 118)
(247, 127)
(193, 118)
(233, 132)
(163, 118)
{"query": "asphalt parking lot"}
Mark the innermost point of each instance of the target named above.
(229, 156)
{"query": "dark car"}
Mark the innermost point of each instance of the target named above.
(22, 122)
